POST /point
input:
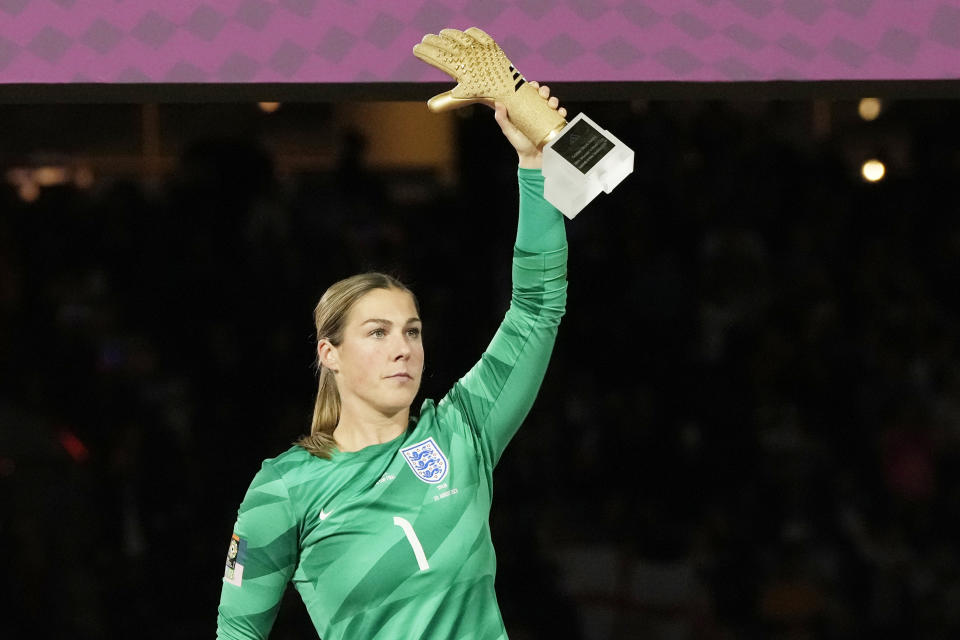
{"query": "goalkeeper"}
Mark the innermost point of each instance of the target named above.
(379, 518)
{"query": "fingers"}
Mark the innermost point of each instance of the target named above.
(510, 130)
(428, 52)
(553, 101)
(500, 114)
(544, 90)
(503, 119)
(441, 102)
(441, 42)
(446, 101)
(526, 151)
(457, 36)
(433, 50)
(480, 36)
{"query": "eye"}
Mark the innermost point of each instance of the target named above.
(379, 332)
(413, 332)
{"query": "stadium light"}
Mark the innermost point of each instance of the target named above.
(869, 108)
(873, 170)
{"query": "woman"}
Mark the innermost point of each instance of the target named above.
(380, 520)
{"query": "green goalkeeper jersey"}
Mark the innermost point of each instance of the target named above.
(393, 541)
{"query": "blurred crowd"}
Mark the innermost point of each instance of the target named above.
(748, 429)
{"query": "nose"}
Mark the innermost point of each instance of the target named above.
(402, 350)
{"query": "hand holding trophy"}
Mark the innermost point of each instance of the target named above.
(579, 159)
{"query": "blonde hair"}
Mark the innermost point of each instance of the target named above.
(330, 316)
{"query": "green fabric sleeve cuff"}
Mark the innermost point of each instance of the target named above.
(540, 227)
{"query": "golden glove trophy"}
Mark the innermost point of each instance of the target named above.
(579, 158)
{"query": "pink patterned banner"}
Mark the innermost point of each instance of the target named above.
(322, 41)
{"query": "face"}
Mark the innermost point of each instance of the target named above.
(380, 360)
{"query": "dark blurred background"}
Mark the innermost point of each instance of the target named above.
(749, 428)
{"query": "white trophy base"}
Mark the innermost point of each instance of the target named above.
(582, 166)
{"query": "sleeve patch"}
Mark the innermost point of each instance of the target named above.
(236, 557)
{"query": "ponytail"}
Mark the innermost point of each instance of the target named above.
(326, 414)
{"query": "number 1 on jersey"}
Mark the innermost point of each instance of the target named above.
(414, 541)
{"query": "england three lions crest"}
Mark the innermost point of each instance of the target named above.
(427, 461)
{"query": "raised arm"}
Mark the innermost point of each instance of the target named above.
(528, 154)
(495, 396)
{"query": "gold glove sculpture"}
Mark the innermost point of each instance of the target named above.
(484, 74)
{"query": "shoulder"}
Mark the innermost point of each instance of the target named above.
(291, 464)
(294, 455)
(438, 416)
(286, 478)
(427, 410)
(435, 415)
(447, 414)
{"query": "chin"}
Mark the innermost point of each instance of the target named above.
(398, 402)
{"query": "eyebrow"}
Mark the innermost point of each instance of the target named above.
(388, 322)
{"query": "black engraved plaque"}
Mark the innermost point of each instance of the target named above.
(582, 146)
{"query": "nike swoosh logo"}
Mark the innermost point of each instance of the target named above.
(324, 514)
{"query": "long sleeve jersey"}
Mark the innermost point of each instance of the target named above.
(393, 541)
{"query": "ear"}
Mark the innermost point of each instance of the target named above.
(327, 355)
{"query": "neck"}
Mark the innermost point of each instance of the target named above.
(357, 430)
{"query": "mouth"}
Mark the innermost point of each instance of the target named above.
(400, 376)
